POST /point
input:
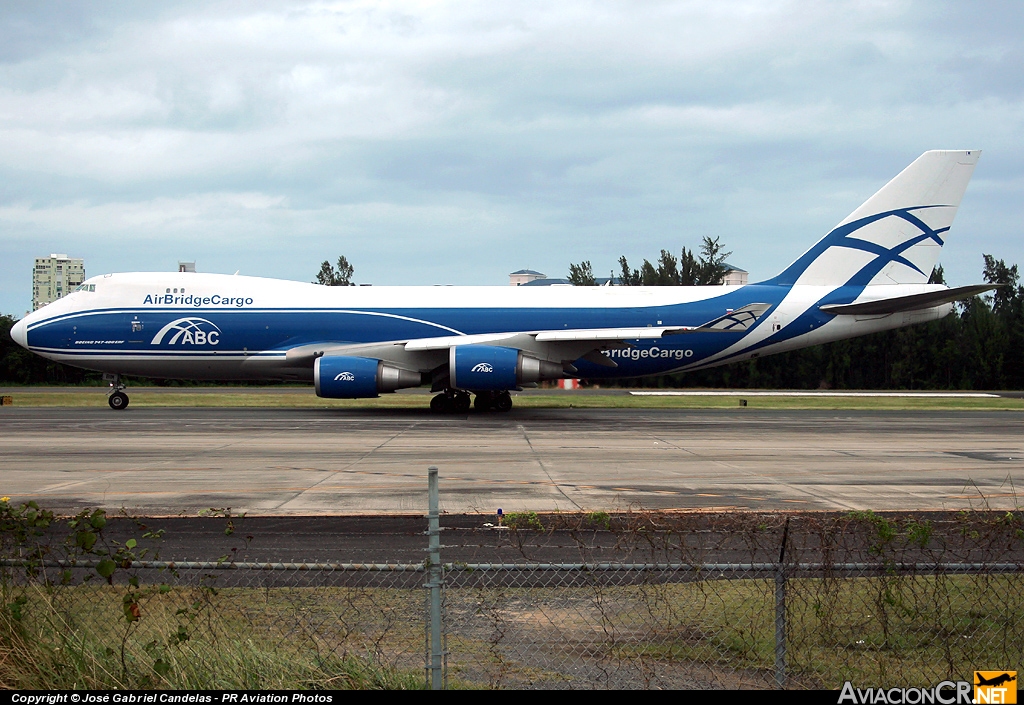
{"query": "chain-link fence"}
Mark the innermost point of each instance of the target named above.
(243, 625)
(803, 601)
(730, 626)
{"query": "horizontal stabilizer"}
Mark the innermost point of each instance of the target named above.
(913, 302)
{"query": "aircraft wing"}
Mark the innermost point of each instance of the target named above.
(554, 345)
(913, 302)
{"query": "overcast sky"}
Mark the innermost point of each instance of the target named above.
(455, 142)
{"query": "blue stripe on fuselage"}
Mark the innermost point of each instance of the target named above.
(842, 236)
(110, 331)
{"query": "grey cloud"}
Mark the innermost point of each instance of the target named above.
(268, 137)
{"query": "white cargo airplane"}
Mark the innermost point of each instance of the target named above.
(868, 274)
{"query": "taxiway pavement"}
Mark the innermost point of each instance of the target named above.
(177, 461)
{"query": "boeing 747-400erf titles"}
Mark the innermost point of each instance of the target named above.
(868, 274)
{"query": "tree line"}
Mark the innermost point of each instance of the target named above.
(690, 269)
(979, 346)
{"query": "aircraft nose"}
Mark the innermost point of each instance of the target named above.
(20, 333)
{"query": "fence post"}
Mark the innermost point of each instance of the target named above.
(780, 613)
(435, 676)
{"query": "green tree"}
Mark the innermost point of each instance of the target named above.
(711, 267)
(1003, 298)
(329, 276)
(668, 270)
(687, 270)
(627, 276)
(1008, 307)
(581, 274)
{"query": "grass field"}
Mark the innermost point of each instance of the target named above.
(149, 397)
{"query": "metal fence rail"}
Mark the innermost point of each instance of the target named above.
(708, 572)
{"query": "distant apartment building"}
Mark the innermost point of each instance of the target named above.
(734, 275)
(55, 277)
(524, 276)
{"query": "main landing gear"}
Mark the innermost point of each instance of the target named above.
(450, 401)
(117, 400)
(498, 401)
(457, 401)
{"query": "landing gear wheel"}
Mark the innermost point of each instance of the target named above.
(460, 402)
(482, 401)
(440, 404)
(503, 402)
(118, 401)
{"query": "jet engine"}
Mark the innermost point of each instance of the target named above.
(493, 368)
(341, 377)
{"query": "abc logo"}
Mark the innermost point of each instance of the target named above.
(189, 331)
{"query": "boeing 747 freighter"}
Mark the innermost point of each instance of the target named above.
(869, 274)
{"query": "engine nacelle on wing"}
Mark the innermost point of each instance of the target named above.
(493, 368)
(338, 377)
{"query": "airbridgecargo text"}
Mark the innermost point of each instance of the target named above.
(638, 353)
(197, 301)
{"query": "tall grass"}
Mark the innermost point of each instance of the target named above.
(61, 638)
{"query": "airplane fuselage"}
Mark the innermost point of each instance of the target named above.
(208, 326)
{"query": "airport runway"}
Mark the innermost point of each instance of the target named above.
(178, 461)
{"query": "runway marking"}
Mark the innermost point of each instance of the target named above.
(354, 462)
(540, 462)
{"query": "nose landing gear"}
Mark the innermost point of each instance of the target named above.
(117, 400)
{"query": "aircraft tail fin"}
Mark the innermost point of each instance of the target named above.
(895, 237)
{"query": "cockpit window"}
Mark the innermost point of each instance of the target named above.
(86, 287)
